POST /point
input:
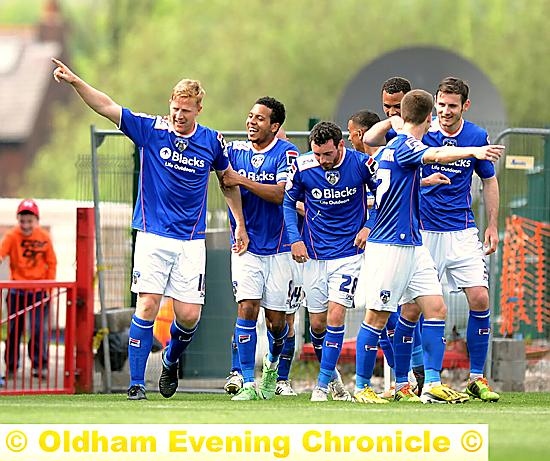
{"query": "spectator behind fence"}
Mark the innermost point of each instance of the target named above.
(32, 257)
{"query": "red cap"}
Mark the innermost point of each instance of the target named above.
(28, 205)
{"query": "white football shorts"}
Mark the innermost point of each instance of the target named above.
(459, 255)
(169, 267)
(331, 280)
(394, 275)
(267, 278)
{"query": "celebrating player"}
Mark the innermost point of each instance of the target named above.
(405, 269)
(264, 276)
(177, 155)
(234, 381)
(330, 181)
(393, 91)
(447, 222)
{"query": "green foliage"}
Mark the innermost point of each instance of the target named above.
(304, 53)
(19, 11)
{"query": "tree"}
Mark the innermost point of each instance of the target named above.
(303, 53)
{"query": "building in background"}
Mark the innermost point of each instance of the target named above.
(27, 91)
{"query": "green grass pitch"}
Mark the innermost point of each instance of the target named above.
(519, 424)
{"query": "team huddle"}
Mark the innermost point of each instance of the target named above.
(377, 225)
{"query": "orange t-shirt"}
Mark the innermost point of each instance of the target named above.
(31, 257)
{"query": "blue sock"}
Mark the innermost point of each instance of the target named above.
(317, 343)
(477, 339)
(139, 346)
(246, 338)
(365, 355)
(391, 323)
(276, 344)
(332, 346)
(285, 359)
(235, 362)
(180, 338)
(417, 359)
(403, 344)
(387, 347)
(433, 343)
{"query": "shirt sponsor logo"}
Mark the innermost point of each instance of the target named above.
(465, 163)
(333, 193)
(175, 159)
(262, 176)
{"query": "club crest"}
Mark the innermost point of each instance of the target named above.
(332, 177)
(449, 142)
(135, 277)
(257, 160)
(181, 144)
(385, 296)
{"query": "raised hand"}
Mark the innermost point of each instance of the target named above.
(62, 72)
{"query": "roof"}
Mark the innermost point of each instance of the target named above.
(25, 73)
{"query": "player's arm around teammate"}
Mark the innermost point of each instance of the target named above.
(331, 181)
(170, 255)
(262, 277)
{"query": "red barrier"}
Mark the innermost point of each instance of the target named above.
(38, 353)
(85, 270)
(46, 328)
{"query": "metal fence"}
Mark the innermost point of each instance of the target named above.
(37, 332)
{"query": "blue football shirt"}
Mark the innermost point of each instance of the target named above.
(448, 207)
(335, 203)
(397, 196)
(174, 173)
(264, 220)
